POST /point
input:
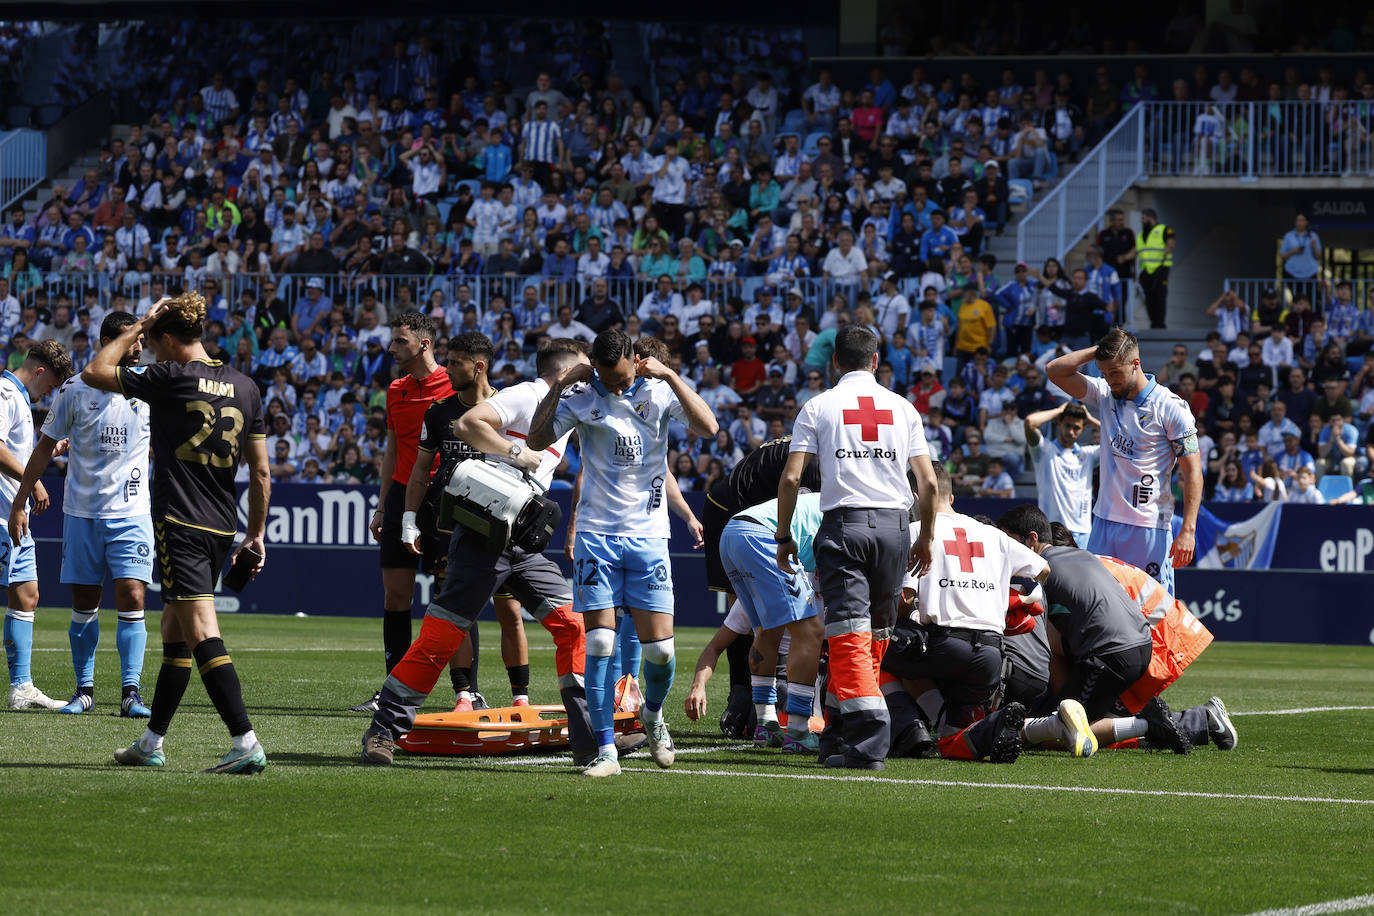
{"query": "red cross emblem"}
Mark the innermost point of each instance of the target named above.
(867, 419)
(964, 549)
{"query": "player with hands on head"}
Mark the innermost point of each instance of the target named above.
(107, 522)
(621, 412)
(1146, 430)
(205, 415)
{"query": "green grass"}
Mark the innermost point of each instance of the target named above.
(318, 833)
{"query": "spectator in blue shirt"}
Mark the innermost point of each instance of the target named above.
(937, 242)
(311, 313)
(1301, 251)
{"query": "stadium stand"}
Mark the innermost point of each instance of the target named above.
(531, 179)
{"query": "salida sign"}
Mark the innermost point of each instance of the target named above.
(1346, 209)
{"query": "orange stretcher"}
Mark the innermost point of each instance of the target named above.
(492, 732)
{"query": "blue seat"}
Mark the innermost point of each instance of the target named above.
(1334, 485)
(794, 121)
(809, 146)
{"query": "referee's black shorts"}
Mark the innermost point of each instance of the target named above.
(394, 552)
(189, 560)
(714, 517)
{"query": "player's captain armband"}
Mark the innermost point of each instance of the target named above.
(1186, 446)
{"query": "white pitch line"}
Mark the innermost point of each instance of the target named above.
(539, 648)
(1300, 711)
(958, 783)
(560, 759)
(1328, 906)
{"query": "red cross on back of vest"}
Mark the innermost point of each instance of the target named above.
(868, 419)
(963, 549)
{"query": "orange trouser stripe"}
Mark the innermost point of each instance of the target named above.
(954, 747)
(569, 640)
(429, 654)
(854, 662)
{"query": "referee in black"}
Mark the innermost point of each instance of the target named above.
(754, 480)
(865, 438)
(205, 416)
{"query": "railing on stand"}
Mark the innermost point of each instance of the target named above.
(1318, 291)
(23, 164)
(1251, 140)
(1074, 207)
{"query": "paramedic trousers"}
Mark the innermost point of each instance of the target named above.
(861, 559)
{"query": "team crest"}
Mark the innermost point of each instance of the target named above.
(1236, 550)
(642, 410)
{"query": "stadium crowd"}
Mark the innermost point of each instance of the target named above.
(743, 220)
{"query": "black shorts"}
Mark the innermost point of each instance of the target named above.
(1099, 680)
(395, 554)
(189, 560)
(714, 517)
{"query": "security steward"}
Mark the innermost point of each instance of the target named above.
(1154, 257)
(865, 437)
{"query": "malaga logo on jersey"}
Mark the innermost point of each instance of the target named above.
(628, 449)
(114, 436)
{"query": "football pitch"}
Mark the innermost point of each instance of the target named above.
(1285, 820)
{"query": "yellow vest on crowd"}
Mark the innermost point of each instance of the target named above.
(1153, 253)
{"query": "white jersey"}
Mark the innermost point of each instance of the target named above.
(737, 621)
(971, 566)
(863, 435)
(1064, 482)
(16, 431)
(107, 467)
(515, 408)
(1142, 437)
(624, 455)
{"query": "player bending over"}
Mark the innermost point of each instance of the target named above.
(107, 523)
(778, 602)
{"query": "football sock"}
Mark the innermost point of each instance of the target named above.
(131, 638)
(84, 637)
(222, 683)
(1127, 727)
(172, 679)
(151, 740)
(245, 741)
(126, 690)
(472, 634)
(1042, 729)
(458, 677)
(737, 654)
(600, 693)
(628, 650)
(800, 698)
(660, 662)
(19, 645)
(765, 690)
(519, 676)
(395, 636)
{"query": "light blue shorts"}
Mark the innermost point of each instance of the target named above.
(1146, 548)
(611, 571)
(770, 598)
(91, 547)
(20, 565)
